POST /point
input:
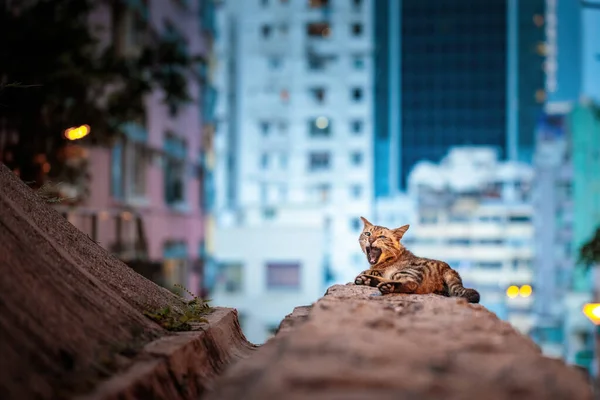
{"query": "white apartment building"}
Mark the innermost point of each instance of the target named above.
(474, 212)
(293, 139)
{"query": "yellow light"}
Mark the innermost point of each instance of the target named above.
(322, 122)
(126, 215)
(512, 291)
(525, 291)
(77, 133)
(592, 311)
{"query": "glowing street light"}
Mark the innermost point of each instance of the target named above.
(525, 291)
(512, 291)
(592, 311)
(77, 132)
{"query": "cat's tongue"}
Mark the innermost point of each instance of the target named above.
(372, 258)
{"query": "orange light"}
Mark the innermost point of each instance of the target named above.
(77, 133)
(512, 291)
(592, 311)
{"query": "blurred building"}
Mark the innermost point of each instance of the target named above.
(567, 168)
(147, 202)
(294, 143)
(553, 221)
(454, 72)
(474, 212)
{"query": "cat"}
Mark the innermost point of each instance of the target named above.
(394, 269)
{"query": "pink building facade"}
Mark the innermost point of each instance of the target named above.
(146, 197)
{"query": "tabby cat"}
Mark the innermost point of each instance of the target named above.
(394, 269)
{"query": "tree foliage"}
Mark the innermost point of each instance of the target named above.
(589, 254)
(56, 73)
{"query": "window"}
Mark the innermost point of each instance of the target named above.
(320, 126)
(264, 161)
(519, 218)
(230, 277)
(356, 191)
(174, 173)
(490, 265)
(491, 241)
(116, 171)
(319, 161)
(266, 31)
(283, 128)
(356, 157)
(318, 3)
(428, 219)
(358, 62)
(128, 170)
(318, 62)
(459, 241)
(357, 94)
(175, 263)
(318, 94)
(283, 29)
(263, 187)
(283, 275)
(321, 192)
(357, 29)
(265, 127)
(283, 160)
(274, 62)
(283, 192)
(356, 126)
(318, 30)
(355, 224)
(269, 213)
(137, 172)
(490, 218)
(457, 218)
(518, 242)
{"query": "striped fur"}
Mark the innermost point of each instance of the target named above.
(394, 269)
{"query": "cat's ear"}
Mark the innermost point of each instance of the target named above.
(366, 222)
(399, 232)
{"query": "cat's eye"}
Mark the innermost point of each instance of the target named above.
(367, 233)
(381, 237)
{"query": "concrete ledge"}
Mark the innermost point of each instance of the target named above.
(356, 344)
(180, 366)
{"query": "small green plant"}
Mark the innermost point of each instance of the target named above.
(193, 311)
(48, 192)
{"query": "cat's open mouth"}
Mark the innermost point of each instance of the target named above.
(373, 254)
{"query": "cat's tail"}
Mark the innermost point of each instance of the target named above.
(455, 286)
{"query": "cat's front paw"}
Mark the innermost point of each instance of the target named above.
(363, 280)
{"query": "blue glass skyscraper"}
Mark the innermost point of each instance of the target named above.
(454, 72)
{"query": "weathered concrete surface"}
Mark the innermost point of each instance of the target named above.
(71, 314)
(181, 366)
(354, 345)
